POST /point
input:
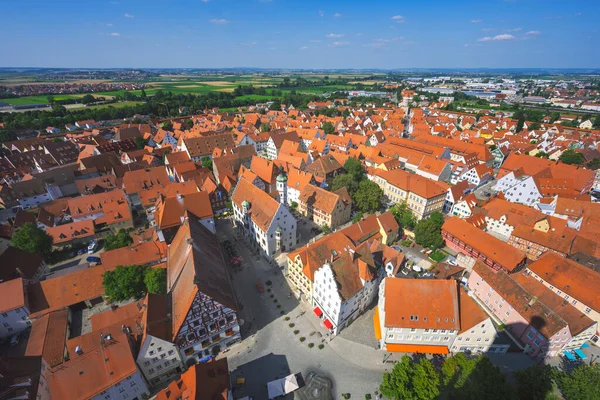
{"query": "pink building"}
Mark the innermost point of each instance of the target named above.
(538, 320)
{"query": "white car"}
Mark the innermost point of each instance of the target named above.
(92, 247)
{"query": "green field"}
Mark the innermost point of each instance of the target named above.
(43, 99)
(117, 105)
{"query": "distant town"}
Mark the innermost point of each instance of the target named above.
(280, 234)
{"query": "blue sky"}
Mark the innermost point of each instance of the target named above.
(300, 34)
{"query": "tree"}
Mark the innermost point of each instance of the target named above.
(140, 142)
(411, 380)
(520, 124)
(346, 113)
(535, 382)
(328, 128)
(428, 234)
(156, 281)
(32, 239)
(125, 282)
(143, 94)
(368, 197)
(88, 98)
(207, 162)
(474, 378)
(404, 216)
(571, 157)
(264, 127)
(354, 167)
(121, 239)
(437, 218)
(326, 229)
(347, 181)
(167, 126)
(582, 383)
(294, 205)
(542, 154)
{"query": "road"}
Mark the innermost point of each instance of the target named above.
(271, 350)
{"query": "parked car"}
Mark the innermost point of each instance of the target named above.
(80, 252)
(92, 247)
(92, 259)
(14, 340)
(260, 287)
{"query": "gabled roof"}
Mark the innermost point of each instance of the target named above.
(16, 263)
(48, 336)
(202, 381)
(262, 206)
(495, 249)
(322, 199)
(572, 278)
(170, 210)
(195, 264)
(12, 295)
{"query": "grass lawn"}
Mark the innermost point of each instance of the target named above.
(42, 99)
(437, 255)
(118, 105)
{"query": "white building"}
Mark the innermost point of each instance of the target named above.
(158, 359)
(478, 175)
(344, 288)
(464, 208)
(431, 316)
(14, 309)
(261, 219)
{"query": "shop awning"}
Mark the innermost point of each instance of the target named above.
(318, 311)
(376, 324)
(328, 324)
(416, 348)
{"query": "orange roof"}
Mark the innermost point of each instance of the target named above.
(203, 381)
(298, 179)
(416, 184)
(170, 210)
(322, 199)
(74, 230)
(137, 254)
(416, 348)
(48, 336)
(98, 369)
(12, 295)
(65, 290)
(377, 324)
(572, 278)
(113, 316)
(495, 249)
(470, 313)
(141, 179)
(421, 303)
(262, 206)
(80, 207)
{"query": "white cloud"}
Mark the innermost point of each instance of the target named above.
(204, 1)
(337, 44)
(303, 47)
(399, 19)
(321, 13)
(109, 24)
(379, 43)
(115, 34)
(128, 16)
(497, 37)
(337, 15)
(475, 21)
(359, 34)
(533, 33)
(335, 35)
(219, 21)
(486, 30)
(514, 30)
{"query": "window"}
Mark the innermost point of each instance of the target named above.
(530, 335)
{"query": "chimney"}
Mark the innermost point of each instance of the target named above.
(78, 350)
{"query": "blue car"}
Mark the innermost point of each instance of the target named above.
(92, 259)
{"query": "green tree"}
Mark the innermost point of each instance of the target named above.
(571, 157)
(354, 167)
(121, 239)
(143, 94)
(328, 128)
(346, 113)
(428, 234)
(326, 229)
(404, 216)
(520, 124)
(156, 280)
(474, 378)
(125, 282)
(368, 197)
(87, 99)
(541, 154)
(207, 162)
(347, 181)
(437, 218)
(411, 380)
(140, 142)
(581, 384)
(32, 239)
(167, 126)
(264, 127)
(294, 205)
(535, 382)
